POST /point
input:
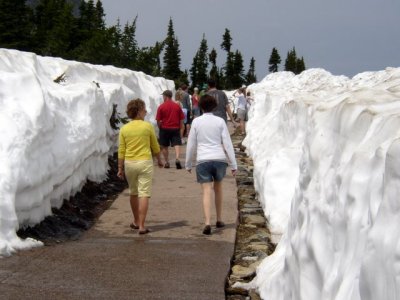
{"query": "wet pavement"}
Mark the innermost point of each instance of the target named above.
(174, 261)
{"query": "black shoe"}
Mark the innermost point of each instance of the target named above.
(166, 166)
(207, 230)
(178, 164)
(220, 224)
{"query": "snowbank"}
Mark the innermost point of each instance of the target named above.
(326, 152)
(55, 136)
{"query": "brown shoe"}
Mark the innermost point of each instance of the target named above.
(166, 166)
(207, 230)
(220, 224)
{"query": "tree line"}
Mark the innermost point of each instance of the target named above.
(76, 30)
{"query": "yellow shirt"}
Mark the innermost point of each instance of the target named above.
(137, 141)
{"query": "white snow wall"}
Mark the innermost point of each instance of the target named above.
(326, 153)
(55, 136)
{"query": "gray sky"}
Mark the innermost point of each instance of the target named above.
(345, 37)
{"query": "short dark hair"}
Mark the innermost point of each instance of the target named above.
(184, 87)
(211, 83)
(207, 103)
(134, 106)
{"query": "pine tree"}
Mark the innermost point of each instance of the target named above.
(274, 61)
(148, 60)
(194, 72)
(226, 41)
(172, 58)
(202, 62)
(251, 74)
(229, 71)
(238, 75)
(129, 46)
(300, 65)
(15, 25)
(214, 72)
(55, 25)
(291, 61)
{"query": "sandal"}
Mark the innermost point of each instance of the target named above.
(207, 230)
(133, 226)
(220, 224)
(144, 231)
(178, 164)
(166, 166)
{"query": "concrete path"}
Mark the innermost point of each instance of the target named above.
(110, 261)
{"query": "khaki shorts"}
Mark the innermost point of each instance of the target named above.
(139, 174)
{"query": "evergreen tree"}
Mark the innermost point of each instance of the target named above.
(274, 61)
(194, 72)
(55, 25)
(148, 60)
(213, 60)
(15, 25)
(300, 65)
(226, 41)
(201, 63)
(251, 74)
(129, 46)
(238, 70)
(229, 80)
(172, 59)
(291, 61)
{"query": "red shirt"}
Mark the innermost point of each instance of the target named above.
(170, 114)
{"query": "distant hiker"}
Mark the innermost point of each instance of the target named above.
(223, 107)
(209, 138)
(170, 122)
(241, 109)
(137, 144)
(187, 104)
(195, 103)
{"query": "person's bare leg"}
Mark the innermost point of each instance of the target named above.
(164, 151)
(135, 208)
(143, 207)
(207, 189)
(218, 199)
(177, 151)
(242, 127)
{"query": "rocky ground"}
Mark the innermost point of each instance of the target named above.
(253, 239)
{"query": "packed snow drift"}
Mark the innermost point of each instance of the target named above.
(56, 135)
(326, 153)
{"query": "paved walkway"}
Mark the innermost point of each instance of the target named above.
(110, 261)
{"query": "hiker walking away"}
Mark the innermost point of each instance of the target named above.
(137, 144)
(187, 104)
(222, 107)
(241, 109)
(209, 139)
(195, 103)
(169, 119)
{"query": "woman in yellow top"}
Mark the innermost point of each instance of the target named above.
(137, 145)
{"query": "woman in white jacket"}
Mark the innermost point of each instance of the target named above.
(209, 138)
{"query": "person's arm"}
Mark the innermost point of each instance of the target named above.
(229, 112)
(190, 147)
(121, 155)
(228, 146)
(155, 147)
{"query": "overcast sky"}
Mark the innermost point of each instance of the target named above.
(345, 37)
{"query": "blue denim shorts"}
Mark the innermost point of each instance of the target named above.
(210, 171)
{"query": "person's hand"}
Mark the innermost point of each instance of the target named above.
(121, 174)
(234, 173)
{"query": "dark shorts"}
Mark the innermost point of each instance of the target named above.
(211, 171)
(170, 137)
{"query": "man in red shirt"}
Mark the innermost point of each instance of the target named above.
(170, 122)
